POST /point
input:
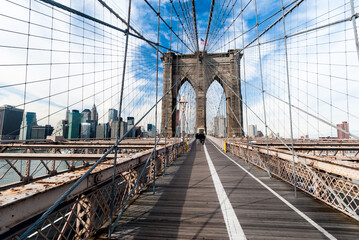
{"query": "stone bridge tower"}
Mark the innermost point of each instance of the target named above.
(200, 70)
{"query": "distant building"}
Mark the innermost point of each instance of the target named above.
(210, 128)
(219, 126)
(85, 130)
(48, 130)
(272, 135)
(67, 117)
(252, 130)
(61, 129)
(114, 129)
(345, 126)
(41, 132)
(145, 134)
(130, 124)
(112, 115)
(151, 130)
(74, 124)
(28, 121)
(10, 121)
(131, 120)
(103, 130)
(93, 124)
(132, 132)
(259, 134)
(123, 128)
(94, 114)
(85, 115)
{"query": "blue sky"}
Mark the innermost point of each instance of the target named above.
(95, 43)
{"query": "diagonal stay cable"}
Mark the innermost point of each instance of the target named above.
(59, 5)
(304, 111)
(77, 183)
(169, 27)
(347, 208)
(185, 14)
(180, 21)
(195, 23)
(209, 23)
(112, 228)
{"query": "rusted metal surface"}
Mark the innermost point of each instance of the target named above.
(52, 156)
(87, 207)
(76, 146)
(22, 163)
(343, 168)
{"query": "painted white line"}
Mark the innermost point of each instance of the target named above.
(322, 230)
(234, 229)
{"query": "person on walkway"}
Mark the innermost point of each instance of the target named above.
(201, 137)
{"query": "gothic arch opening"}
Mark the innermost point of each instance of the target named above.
(216, 110)
(187, 91)
(184, 81)
(196, 68)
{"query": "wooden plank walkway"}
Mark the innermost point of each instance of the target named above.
(186, 205)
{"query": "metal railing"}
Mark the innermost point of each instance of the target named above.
(24, 163)
(81, 215)
(344, 190)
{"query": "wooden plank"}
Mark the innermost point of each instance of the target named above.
(186, 206)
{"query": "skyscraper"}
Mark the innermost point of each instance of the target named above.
(252, 130)
(219, 126)
(131, 120)
(114, 129)
(28, 121)
(151, 129)
(85, 115)
(10, 121)
(61, 129)
(123, 128)
(112, 115)
(94, 114)
(130, 124)
(345, 126)
(85, 130)
(41, 132)
(67, 117)
(74, 124)
(103, 130)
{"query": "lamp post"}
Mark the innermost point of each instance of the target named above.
(183, 103)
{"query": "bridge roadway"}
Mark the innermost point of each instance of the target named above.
(186, 205)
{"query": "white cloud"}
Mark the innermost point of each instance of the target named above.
(318, 60)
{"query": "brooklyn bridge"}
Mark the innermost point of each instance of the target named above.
(179, 119)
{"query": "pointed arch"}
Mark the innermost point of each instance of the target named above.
(216, 114)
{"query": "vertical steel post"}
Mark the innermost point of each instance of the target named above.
(289, 101)
(262, 85)
(124, 69)
(27, 174)
(245, 85)
(119, 116)
(113, 188)
(234, 25)
(158, 42)
(354, 16)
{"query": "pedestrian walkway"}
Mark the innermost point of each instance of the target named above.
(207, 194)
